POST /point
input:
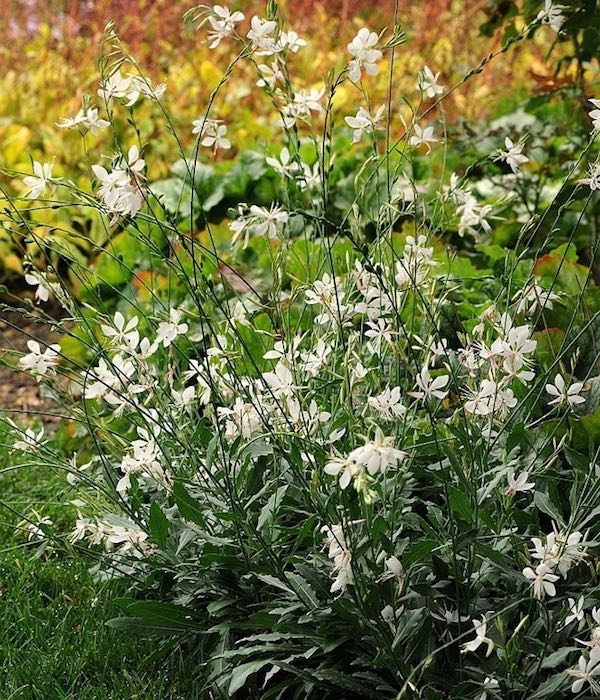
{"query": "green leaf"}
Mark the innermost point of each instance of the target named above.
(241, 673)
(187, 505)
(247, 170)
(174, 194)
(167, 614)
(135, 625)
(592, 397)
(273, 581)
(558, 658)
(493, 555)
(150, 617)
(460, 504)
(419, 551)
(303, 590)
(159, 525)
(542, 501)
(268, 511)
(210, 451)
(550, 688)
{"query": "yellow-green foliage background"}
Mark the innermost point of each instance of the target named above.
(45, 76)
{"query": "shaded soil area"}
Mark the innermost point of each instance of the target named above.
(19, 391)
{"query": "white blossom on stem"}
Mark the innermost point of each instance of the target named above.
(365, 55)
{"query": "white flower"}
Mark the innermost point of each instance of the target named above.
(594, 640)
(489, 685)
(29, 440)
(36, 533)
(575, 611)
(144, 462)
(323, 291)
(594, 177)
(480, 637)
(146, 349)
(373, 457)
(379, 332)
(542, 580)
(285, 165)
(428, 83)
(268, 221)
(513, 155)
(281, 381)
(282, 351)
(87, 119)
(533, 297)
(428, 387)
(201, 373)
(552, 15)
(417, 258)
(129, 88)
(313, 362)
(261, 36)
(121, 190)
(389, 616)
(513, 347)
(169, 330)
(520, 484)
(363, 123)
(270, 75)
(241, 419)
(115, 86)
(481, 402)
(104, 381)
(585, 672)
(135, 164)
(82, 527)
(93, 121)
(122, 333)
(143, 86)
(43, 287)
(310, 179)
(222, 23)
(560, 552)
(376, 456)
(111, 183)
(472, 216)
(345, 468)
(212, 133)
(359, 372)
(39, 362)
(421, 136)
(595, 114)
(394, 570)
(132, 540)
(341, 555)
(39, 181)
(491, 398)
(292, 41)
(571, 395)
(185, 397)
(364, 53)
(304, 102)
(388, 404)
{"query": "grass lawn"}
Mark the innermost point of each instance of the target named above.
(53, 641)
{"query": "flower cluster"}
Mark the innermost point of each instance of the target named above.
(121, 190)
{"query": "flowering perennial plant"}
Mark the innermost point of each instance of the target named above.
(329, 470)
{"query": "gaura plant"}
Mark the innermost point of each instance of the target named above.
(341, 456)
